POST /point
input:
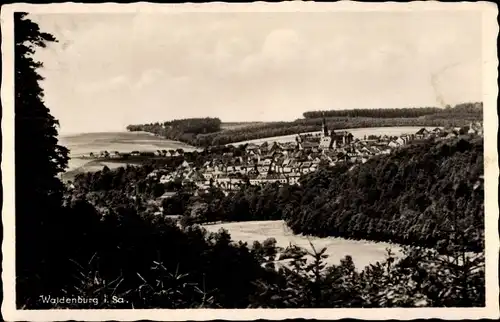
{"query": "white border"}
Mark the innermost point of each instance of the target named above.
(490, 92)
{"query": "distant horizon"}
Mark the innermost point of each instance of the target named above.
(111, 70)
(124, 129)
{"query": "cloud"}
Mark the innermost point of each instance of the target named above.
(110, 84)
(282, 49)
(259, 66)
(148, 77)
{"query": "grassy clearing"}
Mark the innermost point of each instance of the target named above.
(362, 252)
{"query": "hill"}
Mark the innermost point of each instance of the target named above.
(212, 132)
(420, 195)
(184, 130)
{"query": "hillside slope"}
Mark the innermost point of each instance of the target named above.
(418, 195)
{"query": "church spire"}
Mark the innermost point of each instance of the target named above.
(325, 128)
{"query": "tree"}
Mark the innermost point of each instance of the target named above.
(38, 157)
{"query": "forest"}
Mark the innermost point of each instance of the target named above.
(384, 199)
(474, 109)
(184, 130)
(100, 241)
(378, 113)
(413, 196)
(457, 116)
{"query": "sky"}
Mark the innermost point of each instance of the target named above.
(111, 70)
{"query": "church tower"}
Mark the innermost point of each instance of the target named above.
(325, 140)
(324, 127)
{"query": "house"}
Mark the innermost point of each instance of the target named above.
(422, 133)
(253, 148)
(264, 147)
(104, 154)
(394, 144)
(115, 155)
(401, 141)
(384, 138)
(293, 178)
(167, 195)
(331, 140)
(184, 165)
(194, 176)
(288, 147)
(451, 135)
(276, 147)
(437, 131)
(343, 137)
(286, 166)
(305, 167)
(147, 154)
(153, 174)
(308, 146)
(475, 128)
(260, 178)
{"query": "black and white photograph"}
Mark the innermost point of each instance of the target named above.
(209, 157)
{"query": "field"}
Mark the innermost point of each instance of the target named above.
(362, 252)
(357, 133)
(85, 143)
(82, 144)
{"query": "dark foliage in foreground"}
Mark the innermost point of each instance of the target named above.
(150, 263)
(38, 157)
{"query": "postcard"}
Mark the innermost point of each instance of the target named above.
(249, 161)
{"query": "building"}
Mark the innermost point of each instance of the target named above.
(332, 140)
(422, 133)
(475, 128)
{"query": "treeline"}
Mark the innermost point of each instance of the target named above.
(184, 130)
(248, 204)
(475, 109)
(259, 131)
(467, 111)
(312, 125)
(378, 113)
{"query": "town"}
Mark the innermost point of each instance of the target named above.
(284, 163)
